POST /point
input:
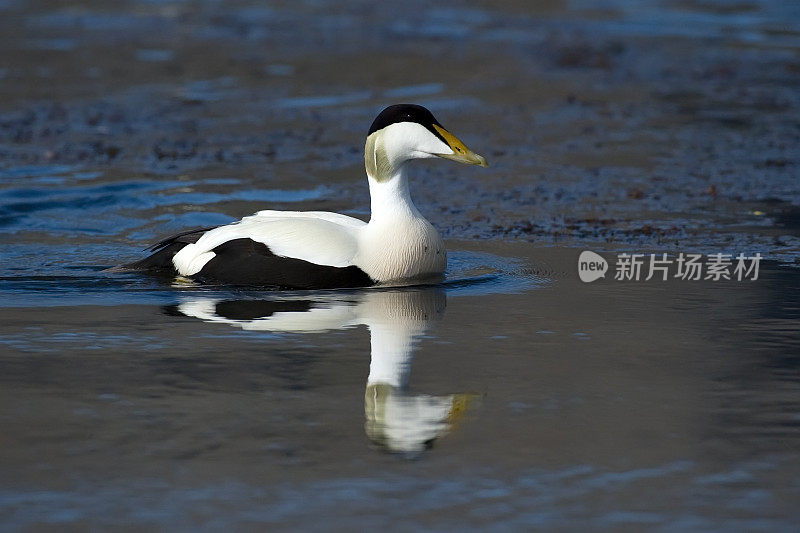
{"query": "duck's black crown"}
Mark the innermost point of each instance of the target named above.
(405, 113)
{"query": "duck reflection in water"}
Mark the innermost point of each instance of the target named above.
(397, 420)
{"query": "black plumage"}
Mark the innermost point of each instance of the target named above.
(397, 113)
(160, 262)
(250, 263)
(245, 262)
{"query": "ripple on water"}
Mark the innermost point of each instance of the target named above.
(58, 275)
(577, 495)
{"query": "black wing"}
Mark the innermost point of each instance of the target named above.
(160, 261)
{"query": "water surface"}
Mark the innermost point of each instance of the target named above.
(511, 396)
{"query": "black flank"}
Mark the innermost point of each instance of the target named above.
(245, 262)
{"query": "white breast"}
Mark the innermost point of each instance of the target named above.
(400, 249)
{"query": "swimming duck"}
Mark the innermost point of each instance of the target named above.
(319, 250)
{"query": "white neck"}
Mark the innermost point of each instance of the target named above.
(390, 199)
(398, 243)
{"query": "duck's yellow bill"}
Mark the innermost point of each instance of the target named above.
(461, 153)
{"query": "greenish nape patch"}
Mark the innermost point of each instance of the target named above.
(375, 158)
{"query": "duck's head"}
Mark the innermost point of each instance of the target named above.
(407, 131)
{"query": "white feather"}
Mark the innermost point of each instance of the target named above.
(337, 218)
(404, 141)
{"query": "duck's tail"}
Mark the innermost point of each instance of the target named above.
(160, 261)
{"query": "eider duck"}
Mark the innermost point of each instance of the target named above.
(320, 250)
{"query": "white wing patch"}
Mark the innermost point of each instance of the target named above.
(318, 237)
(191, 262)
(336, 218)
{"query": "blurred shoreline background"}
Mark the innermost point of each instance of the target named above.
(659, 125)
